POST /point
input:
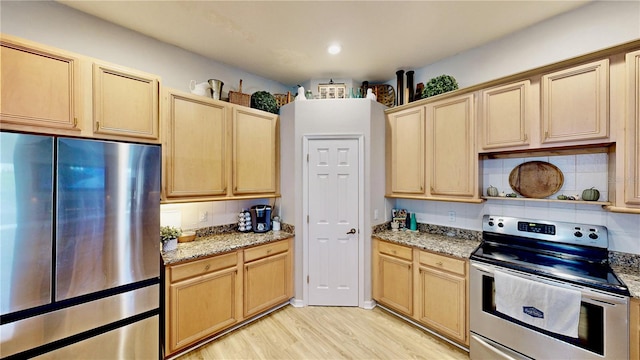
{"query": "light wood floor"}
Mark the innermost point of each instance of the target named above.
(328, 333)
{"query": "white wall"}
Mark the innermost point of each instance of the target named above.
(53, 24)
(590, 28)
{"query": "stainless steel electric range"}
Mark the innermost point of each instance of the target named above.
(559, 256)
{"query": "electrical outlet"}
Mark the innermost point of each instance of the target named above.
(375, 214)
(452, 216)
(203, 216)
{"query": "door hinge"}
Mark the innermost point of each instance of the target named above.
(307, 219)
(307, 157)
(307, 279)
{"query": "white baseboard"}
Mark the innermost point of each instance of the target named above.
(296, 302)
(368, 305)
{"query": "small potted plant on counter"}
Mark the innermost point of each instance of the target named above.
(169, 237)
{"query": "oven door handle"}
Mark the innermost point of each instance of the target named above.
(588, 295)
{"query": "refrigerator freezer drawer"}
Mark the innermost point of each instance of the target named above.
(33, 332)
(135, 341)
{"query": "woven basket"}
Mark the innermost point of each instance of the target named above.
(283, 99)
(385, 94)
(237, 97)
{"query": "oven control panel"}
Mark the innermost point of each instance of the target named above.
(537, 228)
(557, 231)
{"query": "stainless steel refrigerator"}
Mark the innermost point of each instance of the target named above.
(79, 248)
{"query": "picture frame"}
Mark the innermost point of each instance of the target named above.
(332, 91)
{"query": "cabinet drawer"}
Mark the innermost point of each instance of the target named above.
(265, 250)
(398, 251)
(443, 262)
(199, 267)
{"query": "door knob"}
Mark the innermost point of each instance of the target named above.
(352, 231)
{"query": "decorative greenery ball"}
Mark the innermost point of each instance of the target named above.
(263, 100)
(439, 85)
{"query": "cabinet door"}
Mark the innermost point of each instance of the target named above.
(505, 116)
(255, 152)
(125, 102)
(632, 166)
(39, 87)
(575, 103)
(395, 283)
(452, 159)
(267, 282)
(442, 302)
(405, 152)
(195, 149)
(634, 329)
(201, 306)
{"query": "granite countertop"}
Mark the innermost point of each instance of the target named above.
(631, 277)
(443, 244)
(220, 243)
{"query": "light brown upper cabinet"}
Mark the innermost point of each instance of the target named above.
(50, 91)
(195, 147)
(505, 116)
(39, 87)
(125, 102)
(210, 144)
(431, 151)
(575, 103)
(452, 161)
(632, 151)
(255, 152)
(405, 142)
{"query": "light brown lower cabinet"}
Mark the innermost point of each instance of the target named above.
(634, 329)
(267, 276)
(442, 294)
(393, 276)
(206, 296)
(203, 298)
(430, 288)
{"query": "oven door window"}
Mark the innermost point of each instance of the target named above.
(590, 327)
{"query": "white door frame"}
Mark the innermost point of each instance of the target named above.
(305, 207)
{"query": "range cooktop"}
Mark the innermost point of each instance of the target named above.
(575, 253)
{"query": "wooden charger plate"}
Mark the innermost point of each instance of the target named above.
(536, 179)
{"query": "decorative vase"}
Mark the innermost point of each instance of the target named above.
(410, 85)
(170, 245)
(400, 88)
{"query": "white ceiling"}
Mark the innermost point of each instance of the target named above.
(287, 41)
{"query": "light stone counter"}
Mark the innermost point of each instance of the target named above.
(220, 243)
(631, 278)
(449, 245)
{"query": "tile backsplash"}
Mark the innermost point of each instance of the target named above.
(580, 172)
(193, 216)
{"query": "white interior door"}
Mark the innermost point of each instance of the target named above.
(333, 222)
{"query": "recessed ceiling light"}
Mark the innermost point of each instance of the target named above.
(334, 49)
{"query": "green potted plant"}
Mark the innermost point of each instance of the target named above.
(263, 100)
(169, 237)
(439, 85)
